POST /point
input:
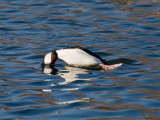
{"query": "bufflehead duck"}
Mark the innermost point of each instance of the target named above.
(79, 57)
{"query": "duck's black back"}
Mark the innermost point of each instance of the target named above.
(89, 52)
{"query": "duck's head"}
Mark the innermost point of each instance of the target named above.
(50, 58)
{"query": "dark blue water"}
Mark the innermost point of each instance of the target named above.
(117, 30)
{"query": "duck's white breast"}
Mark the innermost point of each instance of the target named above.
(78, 57)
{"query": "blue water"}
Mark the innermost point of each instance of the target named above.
(117, 30)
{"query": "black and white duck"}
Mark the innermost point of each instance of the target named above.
(79, 57)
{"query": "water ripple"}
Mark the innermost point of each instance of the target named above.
(119, 31)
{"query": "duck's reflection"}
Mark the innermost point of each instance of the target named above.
(49, 69)
(70, 74)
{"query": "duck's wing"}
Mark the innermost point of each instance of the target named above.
(91, 53)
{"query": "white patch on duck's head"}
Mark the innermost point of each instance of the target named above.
(50, 58)
(47, 58)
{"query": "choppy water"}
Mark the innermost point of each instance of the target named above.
(120, 30)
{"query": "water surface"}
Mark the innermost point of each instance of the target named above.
(126, 31)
